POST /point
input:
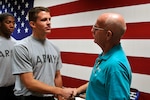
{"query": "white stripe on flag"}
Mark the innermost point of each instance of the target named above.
(132, 47)
(137, 13)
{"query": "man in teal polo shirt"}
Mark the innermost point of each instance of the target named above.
(111, 75)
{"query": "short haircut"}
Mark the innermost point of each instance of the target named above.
(33, 12)
(3, 16)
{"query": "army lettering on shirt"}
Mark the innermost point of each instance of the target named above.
(5, 53)
(46, 58)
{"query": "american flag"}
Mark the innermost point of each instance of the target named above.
(19, 9)
(71, 32)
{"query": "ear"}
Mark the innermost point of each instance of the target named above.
(109, 34)
(32, 24)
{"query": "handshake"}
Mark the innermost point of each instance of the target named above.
(68, 94)
(71, 93)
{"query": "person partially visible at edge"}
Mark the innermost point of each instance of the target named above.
(111, 75)
(7, 80)
(37, 62)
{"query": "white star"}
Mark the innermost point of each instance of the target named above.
(6, 1)
(5, 10)
(18, 30)
(15, 14)
(26, 30)
(19, 7)
(18, 19)
(3, 6)
(12, 9)
(22, 24)
(8, 4)
(15, 3)
(22, 1)
(26, 17)
(22, 12)
(15, 25)
(26, 5)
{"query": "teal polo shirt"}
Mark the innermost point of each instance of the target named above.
(111, 77)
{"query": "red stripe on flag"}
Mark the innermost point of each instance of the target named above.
(134, 31)
(79, 58)
(138, 64)
(144, 96)
(82, 6)
(137, 31)
(71, 33)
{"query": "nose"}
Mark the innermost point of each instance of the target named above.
(48, 22)
(93, 31)
(12, 25)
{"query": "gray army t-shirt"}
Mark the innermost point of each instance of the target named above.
(41, 58)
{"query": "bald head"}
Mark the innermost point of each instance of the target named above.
(114, 22)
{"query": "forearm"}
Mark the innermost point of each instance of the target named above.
(38, 86)
(47, 89)
(43, 88)
(82, 88)
(58, 83)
